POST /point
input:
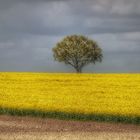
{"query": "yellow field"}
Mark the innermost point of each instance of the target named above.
(117, 94)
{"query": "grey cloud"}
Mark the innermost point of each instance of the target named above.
(30, 28)
(59, 18)
(107, 7)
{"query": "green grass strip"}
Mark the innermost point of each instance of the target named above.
(71, 116)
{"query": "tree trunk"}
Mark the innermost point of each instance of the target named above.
(78, 70)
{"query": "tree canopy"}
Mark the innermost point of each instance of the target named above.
(77, 51)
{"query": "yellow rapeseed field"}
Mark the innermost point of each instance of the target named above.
(117, 94)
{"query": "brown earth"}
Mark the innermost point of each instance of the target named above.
(13, 127)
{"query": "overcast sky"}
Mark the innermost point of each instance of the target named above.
(30, 28)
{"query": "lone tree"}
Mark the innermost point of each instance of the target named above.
(77, 51)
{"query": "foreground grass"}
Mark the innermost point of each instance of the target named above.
(71, 116)
(100, 97)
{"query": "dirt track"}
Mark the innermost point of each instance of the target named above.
(13, 128)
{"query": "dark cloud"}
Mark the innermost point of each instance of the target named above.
(30, 28)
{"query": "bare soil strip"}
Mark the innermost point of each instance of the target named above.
(71, 136)
(13, 127)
